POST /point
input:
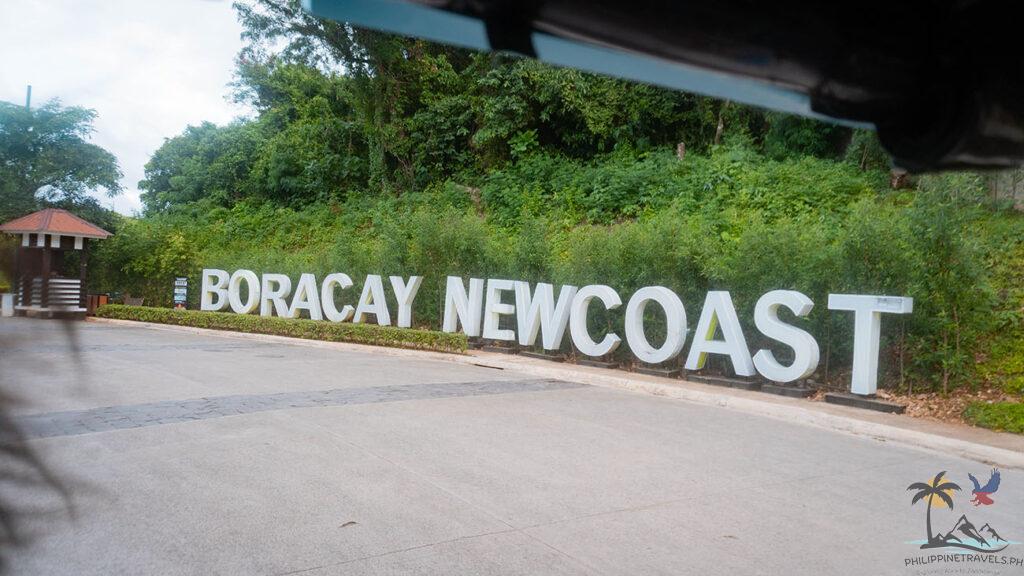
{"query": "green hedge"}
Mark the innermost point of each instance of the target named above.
(1005, 416)
(293, 327)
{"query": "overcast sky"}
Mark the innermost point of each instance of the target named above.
(148, 67)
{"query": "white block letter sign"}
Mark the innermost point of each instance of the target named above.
(235, 292)
(578, 320)
(541, 313)
(331, 312)
(494, 309)
(276, 288)
(463, 308)
(214, 295)
(805, 348)
(867, 326)
(307, 298)
(373, 301)
(405, 293)
(719, 312)
(675, 316)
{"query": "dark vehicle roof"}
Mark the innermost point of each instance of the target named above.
(941, 81)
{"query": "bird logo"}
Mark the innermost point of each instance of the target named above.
(982, 493)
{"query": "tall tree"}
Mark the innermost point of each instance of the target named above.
(384, 72)
(45, 158)
(204, 161)
(429, 110)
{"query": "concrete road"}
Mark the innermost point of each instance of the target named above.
(205, 454)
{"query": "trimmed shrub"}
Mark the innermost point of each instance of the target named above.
(293, 327)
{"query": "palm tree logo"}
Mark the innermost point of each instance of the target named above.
(964, 535)
(937, 489)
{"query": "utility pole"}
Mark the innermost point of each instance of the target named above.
(28, 99)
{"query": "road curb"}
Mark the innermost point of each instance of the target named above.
(880, 427)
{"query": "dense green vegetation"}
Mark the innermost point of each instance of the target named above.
(814, 225)
(1005, 416)
(370, 153)
(293, 327)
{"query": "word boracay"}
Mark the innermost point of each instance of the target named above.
(478, 310)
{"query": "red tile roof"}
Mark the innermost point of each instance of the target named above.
(54, 221)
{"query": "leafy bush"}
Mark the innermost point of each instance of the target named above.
(1006, 416)
(626, 184)
(293, 327)
(954, 298)
(795, 136)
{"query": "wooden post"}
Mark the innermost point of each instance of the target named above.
(44, 285)
(83, 265)
(16, 279)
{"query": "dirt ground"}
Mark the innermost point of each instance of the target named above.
(948, 408)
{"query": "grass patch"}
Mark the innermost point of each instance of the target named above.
(293, 327)
(1006, 416)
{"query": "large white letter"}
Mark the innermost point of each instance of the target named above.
(276, 287)
(675, 316)
(867, 325)
(306, 298)
(373, 301)
(327, 297)
(215, 293)
(805, 348)
(405, 294)
(578, 320)
(719, 311)
(494, 309)
(235, 291)
(458, 307)
(541, 313)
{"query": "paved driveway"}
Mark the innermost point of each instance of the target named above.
(200, 454)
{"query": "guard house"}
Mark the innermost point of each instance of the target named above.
(43, 286)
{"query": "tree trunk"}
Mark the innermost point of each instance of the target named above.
(721, 123)
(903, 339)
(945, 363)
(898, 178)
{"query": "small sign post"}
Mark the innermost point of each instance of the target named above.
(180, 292)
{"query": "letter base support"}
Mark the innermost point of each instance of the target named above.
(740, 383)
(866, 402)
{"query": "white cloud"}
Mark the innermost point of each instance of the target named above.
(149, 68)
